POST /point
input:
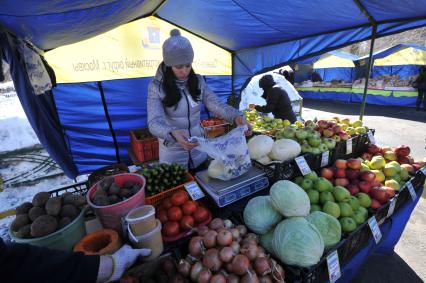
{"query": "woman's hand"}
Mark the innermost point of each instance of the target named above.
(182, 137)
(241, 121)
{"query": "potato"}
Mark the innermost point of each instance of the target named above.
(114, 199)
(105, 183)
(101, 200)
(77, 200)
(20, 221)
(44, 225)
(35, 212)
(24, 232)
(64, 222)
(114, 189)
(69, 210)
(125, 193)
(53, 206)
(99, 193)
(40, 199)
(24, 208)
(128, 185)
(135, 188)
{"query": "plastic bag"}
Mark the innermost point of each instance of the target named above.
(231, 149)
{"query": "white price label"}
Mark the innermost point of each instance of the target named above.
(349, 146)
(375, 230)
(303, 165)
(423, 170)
(333, 267)
(371, 137)
(194, 190)
(411, 190)
(391, 207)
(325, 156)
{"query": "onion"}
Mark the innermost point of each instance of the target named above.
(216, 224)
(265, 279)
(209, 239)
(218, 278)
(169, 267)
(196, 247)
(250, 251)
(195, 271)
(277, 271)
(204, 276)
(252, 236)
(240, 264)
(226, 254)
(250, 277)
(184, 267)
(211, 260)
(261, 251)
(235, 233)
(178, 279)
(224, 237)
(191, 259)
(248, 241)
(228, 267)
(242, 229)
(232, 278)
(235, 247)
(202, 230)
(228, 223)
(261, 266)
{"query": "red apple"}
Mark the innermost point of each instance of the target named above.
(352, 173)
(376, 184)
(402, 150)
(339, 173)
(367, 176)
(416, 167)
(355, 182)
(403, 160)
(336, 129)
(373, 149)
(374, 204)
(390, 191)
(364, 187)
(327, 133)
(378, 154)
(322, 124)
(343, 136)
(353, 189)
(354, 163)
(384, 149)
(340, 164)
(380, 195)
(367, 156)
(408, 167)
(327, 173)
(341, 182)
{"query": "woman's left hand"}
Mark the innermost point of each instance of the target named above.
(241, 121)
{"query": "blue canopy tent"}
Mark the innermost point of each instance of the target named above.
(85, 125)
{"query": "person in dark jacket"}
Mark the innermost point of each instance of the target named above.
(277, 100)
(421, 89)
(21, 263)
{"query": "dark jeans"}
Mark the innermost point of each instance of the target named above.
(421, 96)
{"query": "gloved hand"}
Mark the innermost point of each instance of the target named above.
(124, 258)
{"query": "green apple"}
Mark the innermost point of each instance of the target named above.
(331, 208)
(313, 196)
(323, 147)
(345, 209)
(358, 217)
(314, 141)
(307, 184)
(329, 142)
(289, 133)
(326, 196)
(354, 203)
(362, 210)
(311, 176)
(316, 150)
(348, 224)
(298, 180)
(301, 134)
(340, 193)
(364, 199)
(315, 207)
(322, 184)
(306, 148)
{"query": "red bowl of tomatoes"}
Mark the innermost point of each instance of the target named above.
(180, 216)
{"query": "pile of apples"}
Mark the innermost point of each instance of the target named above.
(340, 129)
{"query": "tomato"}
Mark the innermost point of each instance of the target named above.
(166, 204)
(179, 198)
(174, 213)
(189, 207)
(187, 222)
(161, 215)
(201, 214)
(171, 228)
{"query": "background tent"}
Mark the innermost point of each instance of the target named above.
(259, 35)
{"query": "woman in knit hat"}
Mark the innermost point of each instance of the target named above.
(174, 104)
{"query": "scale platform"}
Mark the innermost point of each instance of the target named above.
(227, 192)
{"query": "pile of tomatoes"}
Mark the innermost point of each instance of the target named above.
(179, 214)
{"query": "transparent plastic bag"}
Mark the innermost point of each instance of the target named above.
(231, 149)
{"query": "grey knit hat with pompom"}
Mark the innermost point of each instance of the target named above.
(177, 50)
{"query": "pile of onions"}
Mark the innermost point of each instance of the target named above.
(226, 253)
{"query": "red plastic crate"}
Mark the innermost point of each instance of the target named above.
(145, 149)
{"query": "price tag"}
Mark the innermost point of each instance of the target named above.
(375, 230)
(333, 267)
(411, 190)
(371, 137)
(194, 190)
(391, 207)
(324, 158)
(423, 170)
(303, 165)
(349, 147)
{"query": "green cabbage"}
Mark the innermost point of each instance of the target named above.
(260, 216)
(289, 199)
(297, 242)
(328, 226)
(266, 241)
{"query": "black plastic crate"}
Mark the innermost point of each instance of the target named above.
(78, 188)
(279, 170)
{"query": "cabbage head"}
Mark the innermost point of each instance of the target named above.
(266, 241)
(260, 216)
(297, 242)
(328, 226)
(289, 199)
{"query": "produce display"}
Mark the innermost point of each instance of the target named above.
(264, 124)
(161, 177)
(108, 192)
(214, 127)
(46, 214)
(223, 252)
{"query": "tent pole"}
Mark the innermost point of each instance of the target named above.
(370, 65)
(232, 76)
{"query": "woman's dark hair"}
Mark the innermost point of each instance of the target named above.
(173, 94)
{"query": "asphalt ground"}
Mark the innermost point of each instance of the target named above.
(394, 126)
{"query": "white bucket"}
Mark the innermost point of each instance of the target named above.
(151, 240)
(141, 219)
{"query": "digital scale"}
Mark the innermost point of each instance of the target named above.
(227, 192)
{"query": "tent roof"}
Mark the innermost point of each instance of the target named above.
(231, 24)
(393, 49)
(340, 54)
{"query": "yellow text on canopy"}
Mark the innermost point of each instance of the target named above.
(132, 50)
